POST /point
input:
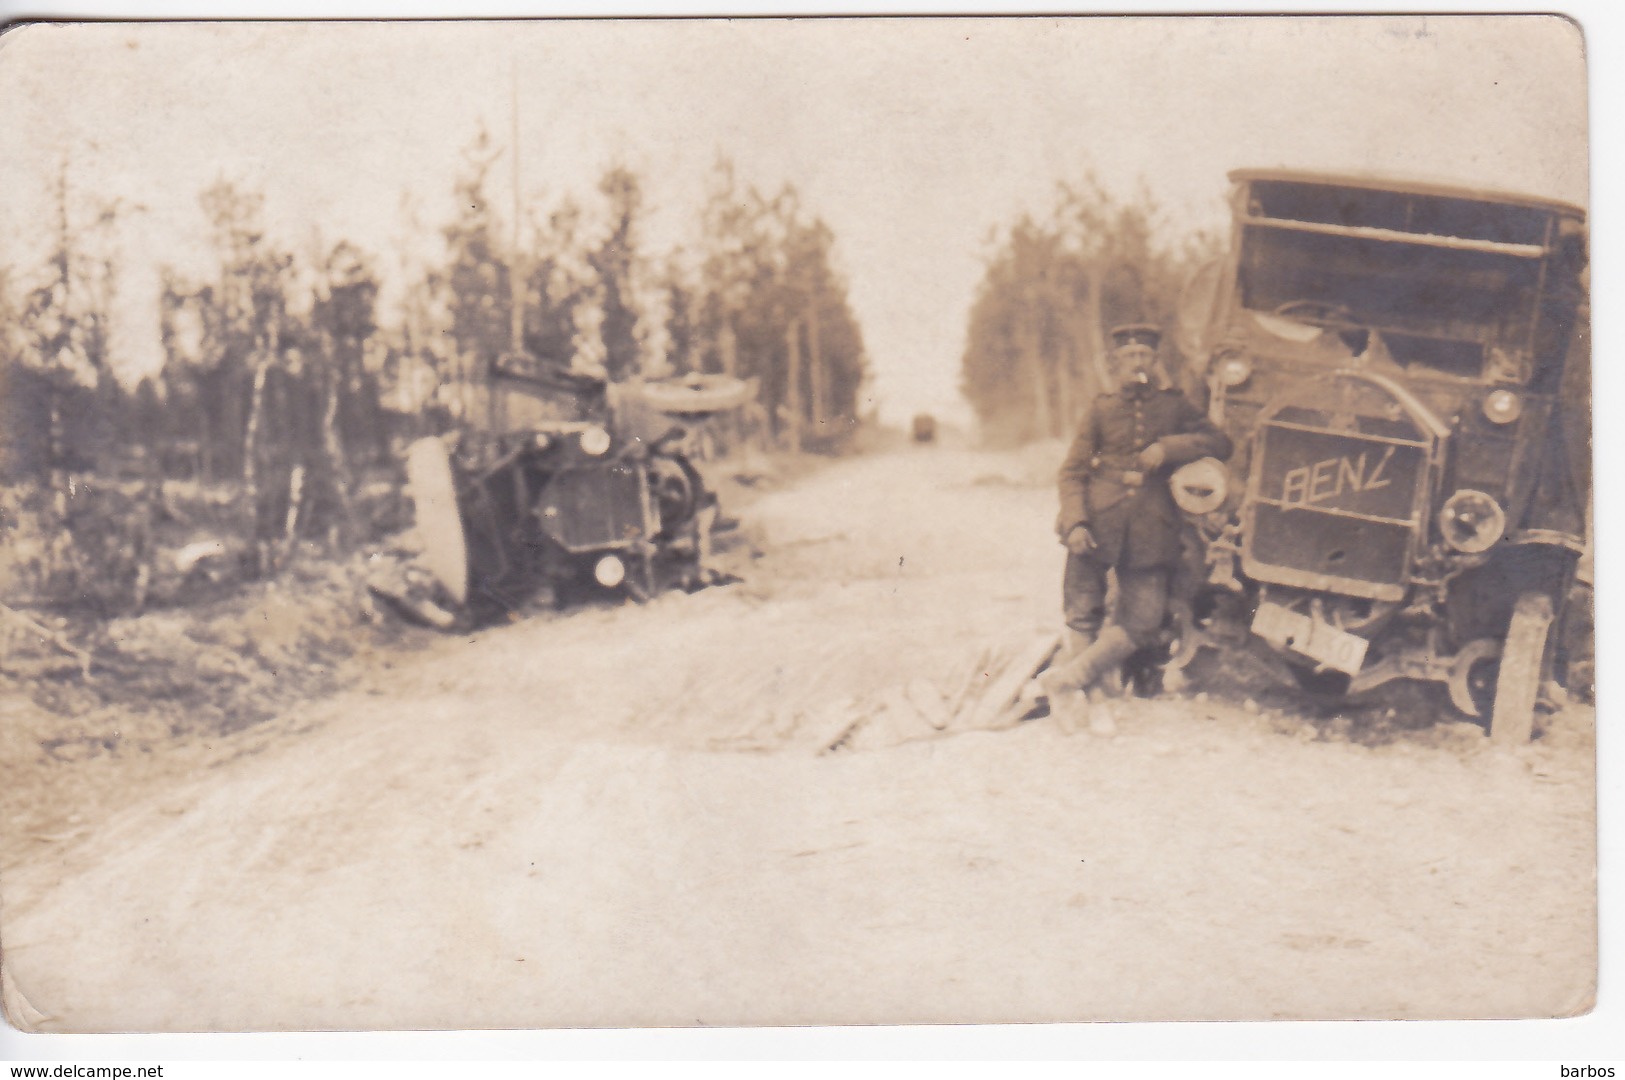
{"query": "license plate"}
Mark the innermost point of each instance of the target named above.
(1288, 629)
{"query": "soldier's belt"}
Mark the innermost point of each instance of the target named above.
(1126, 477)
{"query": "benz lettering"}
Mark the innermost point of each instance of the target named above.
(1327, 479)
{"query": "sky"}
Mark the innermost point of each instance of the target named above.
(913, 139)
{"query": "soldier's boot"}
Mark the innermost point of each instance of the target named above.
(1074, 644)
(1080, 672)
(1068, 708)
(1102, 722)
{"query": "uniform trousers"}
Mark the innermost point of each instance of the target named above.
(1142, 598)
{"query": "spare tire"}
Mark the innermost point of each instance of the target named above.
(1200, 486)
(695, 393)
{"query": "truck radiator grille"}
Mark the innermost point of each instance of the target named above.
(1333, 510)
(595, 507)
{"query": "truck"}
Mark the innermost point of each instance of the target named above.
(569, 487)
(1403, 368)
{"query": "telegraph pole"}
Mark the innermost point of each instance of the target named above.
(496, 394)
(792, 390)
(516, 286)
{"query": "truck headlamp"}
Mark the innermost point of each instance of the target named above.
(1502, 406)
(1233, 370)
(1471, 521)
(1200, 486)
(594, 441)
(609, 572)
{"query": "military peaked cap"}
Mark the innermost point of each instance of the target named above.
(1135, 334)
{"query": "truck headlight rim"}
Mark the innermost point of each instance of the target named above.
(1502, 406)
(1471, 521)
(1233, 369)
(595, 441)
(609, 571)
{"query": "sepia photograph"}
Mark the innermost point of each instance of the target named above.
(781, 522)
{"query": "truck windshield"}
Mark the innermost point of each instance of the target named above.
(1449, 301)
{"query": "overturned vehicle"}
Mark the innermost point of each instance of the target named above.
(1404, 371)
(571, 487)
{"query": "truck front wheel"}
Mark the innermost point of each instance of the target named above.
(1523, 664)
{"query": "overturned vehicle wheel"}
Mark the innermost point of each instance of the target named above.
(432, 487)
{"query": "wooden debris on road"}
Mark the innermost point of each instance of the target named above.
(999, 704)
(21, 625)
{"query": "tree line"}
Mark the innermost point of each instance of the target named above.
(1052, 287)
(285, 387)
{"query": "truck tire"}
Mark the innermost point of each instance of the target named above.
(1523, 664)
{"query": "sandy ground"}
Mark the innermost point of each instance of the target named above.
(630, 816)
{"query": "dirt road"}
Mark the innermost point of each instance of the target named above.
(625, 817)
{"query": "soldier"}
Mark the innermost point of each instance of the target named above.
(1117, 513)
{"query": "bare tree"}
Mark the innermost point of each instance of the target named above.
(1034, 344)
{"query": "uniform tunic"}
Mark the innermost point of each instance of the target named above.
(1136, 526)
